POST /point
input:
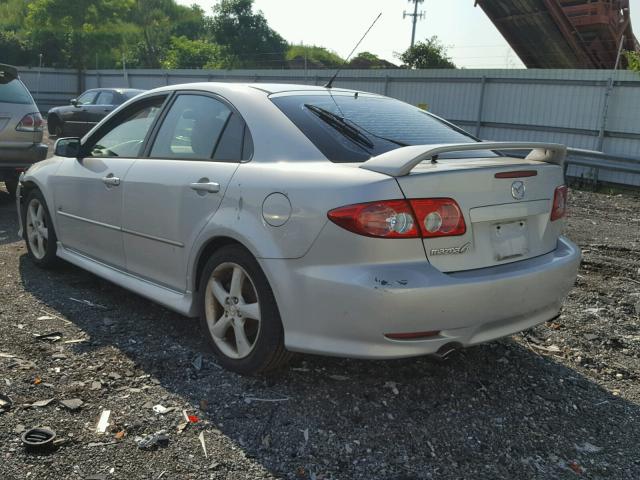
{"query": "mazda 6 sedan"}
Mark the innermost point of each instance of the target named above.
(306, 219)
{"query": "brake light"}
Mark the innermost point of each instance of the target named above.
(435, 217)
(559, 209)
(439, 217)
(31, 122)
(385, 219)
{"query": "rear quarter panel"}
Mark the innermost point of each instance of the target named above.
(313, 188)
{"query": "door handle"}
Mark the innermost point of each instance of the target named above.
(209, 187)
(111, 181)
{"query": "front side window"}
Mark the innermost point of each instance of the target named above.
(87, 98)
(356, 127)
(191, 129)
(105, 98)
(128, 132)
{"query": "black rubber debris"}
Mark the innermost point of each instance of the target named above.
(38, 439)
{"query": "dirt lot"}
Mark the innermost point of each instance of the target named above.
(559, 401)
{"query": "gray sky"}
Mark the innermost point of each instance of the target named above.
(472, 39)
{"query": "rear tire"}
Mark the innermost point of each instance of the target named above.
(40, 236)
(239, 314)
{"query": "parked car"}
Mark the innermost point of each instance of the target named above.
(20, 129)
(305, 219)
(84, 112)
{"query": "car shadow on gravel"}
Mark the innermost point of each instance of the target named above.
(8, 234)
(500, 408)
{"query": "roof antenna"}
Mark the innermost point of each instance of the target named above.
(330, 82)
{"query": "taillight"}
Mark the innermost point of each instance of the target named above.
(439, 217)
(435, 217)
(559, 209)
(385, 219)
(31, 122)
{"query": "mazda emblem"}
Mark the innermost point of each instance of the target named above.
(517, 190)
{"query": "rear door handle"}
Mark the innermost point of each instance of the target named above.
(111, 181)
(209, 187)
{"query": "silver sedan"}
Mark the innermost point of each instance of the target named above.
(306, 219)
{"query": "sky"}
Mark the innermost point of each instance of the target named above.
(471, 38)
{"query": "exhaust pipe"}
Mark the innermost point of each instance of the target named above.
(446, 350)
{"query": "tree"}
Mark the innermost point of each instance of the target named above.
(246, 35)
(633, 60)
(15, 50)
(315, 57)
(370, 60)
(428, 54)
(185, 53)
(74, 30)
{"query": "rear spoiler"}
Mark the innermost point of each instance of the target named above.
(400, 162)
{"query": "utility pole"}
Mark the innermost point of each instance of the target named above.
(415, 15)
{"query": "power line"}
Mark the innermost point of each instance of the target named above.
(415, 16)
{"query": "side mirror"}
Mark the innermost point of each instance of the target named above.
(67, 147)
(74, 102)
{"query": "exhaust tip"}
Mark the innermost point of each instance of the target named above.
(446, 350)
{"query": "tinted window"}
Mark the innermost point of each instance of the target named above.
(191, 129)
(129, 94)
(13, 91)
(380, 124)
(230, 145)
(87, 98)
(127, 134)
(105, 98)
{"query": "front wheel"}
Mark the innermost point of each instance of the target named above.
(239, 313)
(40, 236)
(55, 128)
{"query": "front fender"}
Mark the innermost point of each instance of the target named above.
(38, 176)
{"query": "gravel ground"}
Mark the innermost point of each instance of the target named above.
(558, 401)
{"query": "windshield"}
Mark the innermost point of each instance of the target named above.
(13, 91)
(356, 127)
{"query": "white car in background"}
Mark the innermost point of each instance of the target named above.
(292, 218)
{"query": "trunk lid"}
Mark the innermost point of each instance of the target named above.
(502, 225)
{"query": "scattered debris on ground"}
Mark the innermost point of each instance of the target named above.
(131, 391)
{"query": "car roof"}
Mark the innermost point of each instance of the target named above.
(271, 88)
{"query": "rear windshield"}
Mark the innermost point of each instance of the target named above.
(13, 91)
(364, 126)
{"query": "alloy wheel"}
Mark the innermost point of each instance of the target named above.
(37, 229)
(232, 310)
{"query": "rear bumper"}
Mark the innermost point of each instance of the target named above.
(346, 310)
(11, 158)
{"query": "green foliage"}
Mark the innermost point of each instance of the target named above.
(246, 35)
(428, 54)
(316, 57)
(185, 53)
(633, 60)
(71, 30)
(86, 34)
(14, 49)
(369, 60)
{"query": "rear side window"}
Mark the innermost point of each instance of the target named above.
(191, 129)
(105, 98)
(230, 145)
(13, 91)
(354, 128)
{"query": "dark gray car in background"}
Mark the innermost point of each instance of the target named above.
(86, 111)
(20, 128)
